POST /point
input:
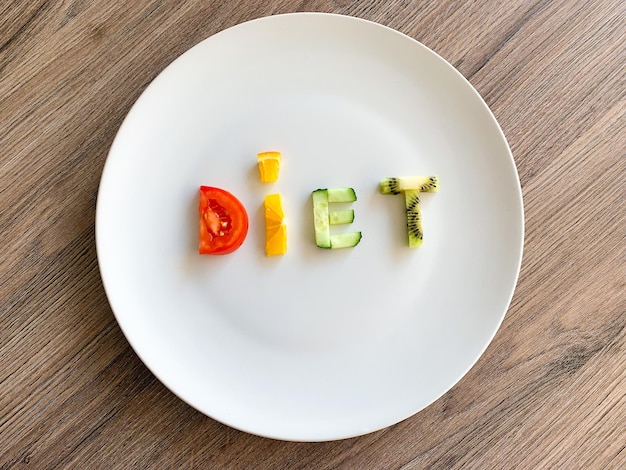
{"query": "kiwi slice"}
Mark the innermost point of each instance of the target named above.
(413, 217)
(396, 185)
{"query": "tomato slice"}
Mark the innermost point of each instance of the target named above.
(223, 222)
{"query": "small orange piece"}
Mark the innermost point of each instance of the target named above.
(275, 228)
(276, 241)
(269, 166)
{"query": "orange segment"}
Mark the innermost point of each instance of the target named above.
(269, 166)
(274, 208)
(275, 228)
(276, 241)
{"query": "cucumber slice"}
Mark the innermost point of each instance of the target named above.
(323, 218)
(341, 195)
(345, 240)
(321, 221)
(341, 217)
(424, 184)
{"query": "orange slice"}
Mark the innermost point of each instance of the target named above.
(276, 241)
(275, 228)
(269, 166)
(274, 209)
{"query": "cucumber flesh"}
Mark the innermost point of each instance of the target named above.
(345, 240)
(321, 220)
(341, 217)
(341, 195)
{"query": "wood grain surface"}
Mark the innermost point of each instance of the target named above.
(550, 391)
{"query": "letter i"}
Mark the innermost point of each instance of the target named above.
(275, 227)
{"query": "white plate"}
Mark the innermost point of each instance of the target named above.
(317, 344)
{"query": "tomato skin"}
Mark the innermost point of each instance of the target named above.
(223, 222)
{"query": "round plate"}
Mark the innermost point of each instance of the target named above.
(316, 344)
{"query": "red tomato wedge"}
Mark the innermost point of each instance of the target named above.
(223, 222)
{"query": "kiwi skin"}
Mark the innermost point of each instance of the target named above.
(413, 218)
(396, 185)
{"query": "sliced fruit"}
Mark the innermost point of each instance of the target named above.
(269, 166)
(341, 195)
(276, 240)
(223, 222)
(320, 218)
(396, 185)
(275, 228)
(345, 240)
(413, 218)
(274, 208)
(341, 217)
(411, 186)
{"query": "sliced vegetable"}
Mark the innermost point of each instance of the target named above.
(345, 240)
(223, 222)
(341, 195)
(323, 218)
(320, 218)
(341, 217)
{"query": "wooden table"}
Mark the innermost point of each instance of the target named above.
(550, 392)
